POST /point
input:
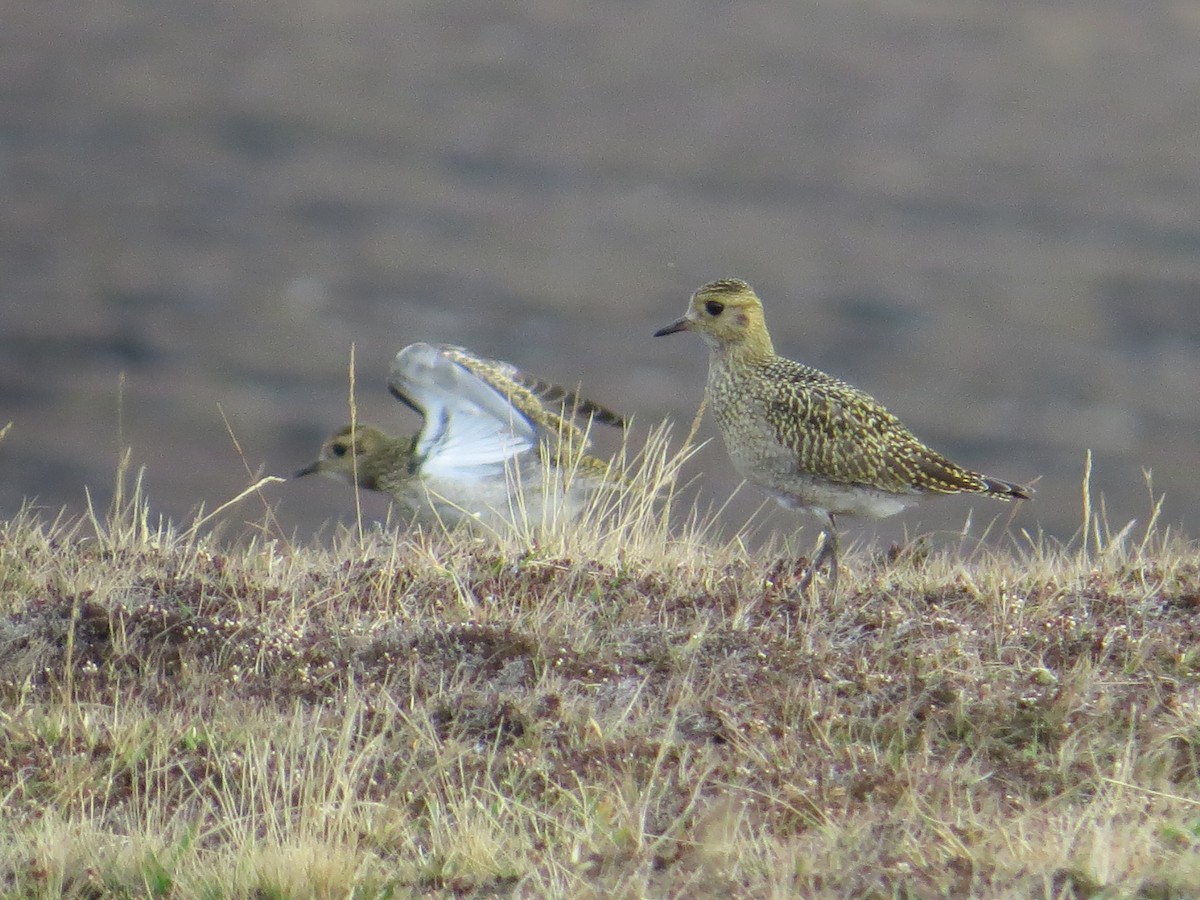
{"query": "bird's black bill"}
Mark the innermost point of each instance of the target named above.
(672, 328)
(308, 470)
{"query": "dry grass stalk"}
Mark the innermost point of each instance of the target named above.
(619, 706)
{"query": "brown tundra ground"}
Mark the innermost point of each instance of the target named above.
(618, 708)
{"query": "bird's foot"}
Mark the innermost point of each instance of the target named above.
(827, 560)
(826, 555)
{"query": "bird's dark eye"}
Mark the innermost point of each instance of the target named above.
(714, 307)
(338, 449)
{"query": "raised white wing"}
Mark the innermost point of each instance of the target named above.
(471, 430)
(552, 406)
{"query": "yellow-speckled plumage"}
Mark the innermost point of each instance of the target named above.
(809, 439)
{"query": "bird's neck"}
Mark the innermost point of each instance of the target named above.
(389, 465)
(751, 349)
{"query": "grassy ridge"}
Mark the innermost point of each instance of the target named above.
(608, 710)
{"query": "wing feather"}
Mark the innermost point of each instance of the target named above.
(850, 438)
(551, 405)
(471, 429)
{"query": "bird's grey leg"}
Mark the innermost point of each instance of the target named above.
(826, 554)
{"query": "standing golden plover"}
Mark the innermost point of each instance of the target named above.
(498, 446)
(808, 439)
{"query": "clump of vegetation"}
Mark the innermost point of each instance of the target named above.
(613, 707)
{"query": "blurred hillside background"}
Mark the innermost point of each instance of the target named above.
(985, 213)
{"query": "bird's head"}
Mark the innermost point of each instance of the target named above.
(349, 455)
(729, 316)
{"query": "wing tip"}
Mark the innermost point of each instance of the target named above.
(1007, 490)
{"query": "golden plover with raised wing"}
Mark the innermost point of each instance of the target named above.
(808, 439)
(498, 446)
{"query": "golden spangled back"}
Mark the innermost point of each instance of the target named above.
(785, 417)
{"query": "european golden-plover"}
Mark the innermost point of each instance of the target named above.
(808, 439)
(498, 446)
